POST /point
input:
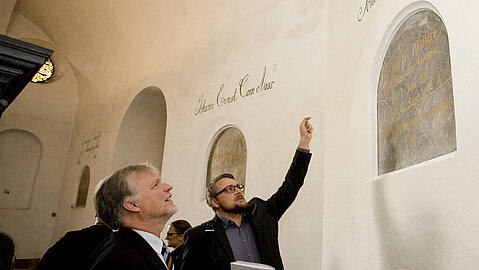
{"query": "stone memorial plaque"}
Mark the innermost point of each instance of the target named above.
(228, 155)
(415, 105)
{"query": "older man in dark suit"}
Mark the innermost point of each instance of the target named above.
(245, 231)
(136, 202)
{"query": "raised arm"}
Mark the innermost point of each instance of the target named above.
(305, 133)
(286, 193)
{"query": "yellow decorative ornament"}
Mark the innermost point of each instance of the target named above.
(45, 72)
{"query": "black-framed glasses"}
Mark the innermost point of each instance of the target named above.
(171, 233)
(229, 189)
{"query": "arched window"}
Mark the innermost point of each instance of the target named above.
(228, 154)
(83, 186)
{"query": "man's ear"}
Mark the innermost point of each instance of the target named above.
(131, 206)
(214, 203)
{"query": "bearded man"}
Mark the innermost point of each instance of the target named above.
(245, 231)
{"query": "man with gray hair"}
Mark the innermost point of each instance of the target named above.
(245, 231)
(135, 202)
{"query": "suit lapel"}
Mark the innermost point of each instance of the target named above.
(222, 238)
(256, 222)
(143, 248)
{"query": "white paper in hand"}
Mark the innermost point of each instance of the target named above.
(240, 265)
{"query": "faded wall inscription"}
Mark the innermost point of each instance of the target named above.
(89, 145)
(415, 105)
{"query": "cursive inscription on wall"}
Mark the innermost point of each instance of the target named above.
(364, 9)
(243, 90)
(89, 144)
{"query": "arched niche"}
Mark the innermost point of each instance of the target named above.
(141, 136)
(20, 154)
(228, 154)
(83, 185)
(415, 101)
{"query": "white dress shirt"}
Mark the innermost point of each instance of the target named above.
(155, 242)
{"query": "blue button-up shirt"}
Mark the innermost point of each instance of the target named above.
(242, 240)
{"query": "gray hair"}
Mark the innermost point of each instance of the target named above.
(211, 188)
(115, 190)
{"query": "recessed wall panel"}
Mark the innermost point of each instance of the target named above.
(20, 153)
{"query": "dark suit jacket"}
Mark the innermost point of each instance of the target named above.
(73, 250)
(125, 250)
(177, 256)
(207, 247)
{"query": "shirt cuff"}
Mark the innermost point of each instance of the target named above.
(303, 150)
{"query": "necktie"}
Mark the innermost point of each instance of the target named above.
(167, 257)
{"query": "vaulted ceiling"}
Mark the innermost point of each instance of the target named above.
(102, 38)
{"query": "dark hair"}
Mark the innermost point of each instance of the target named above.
(114, 191)
(181, 226)
(211, 188)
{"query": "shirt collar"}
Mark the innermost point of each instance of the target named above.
(155, 242)
(226, 221)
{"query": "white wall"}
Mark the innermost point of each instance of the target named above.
(421, 217)
(46, 111)
(324, 63)
(287, 38)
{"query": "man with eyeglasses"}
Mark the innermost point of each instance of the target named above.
(241, 230)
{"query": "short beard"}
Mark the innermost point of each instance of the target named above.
(238, 209)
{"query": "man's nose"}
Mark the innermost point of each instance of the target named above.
(167, 186)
